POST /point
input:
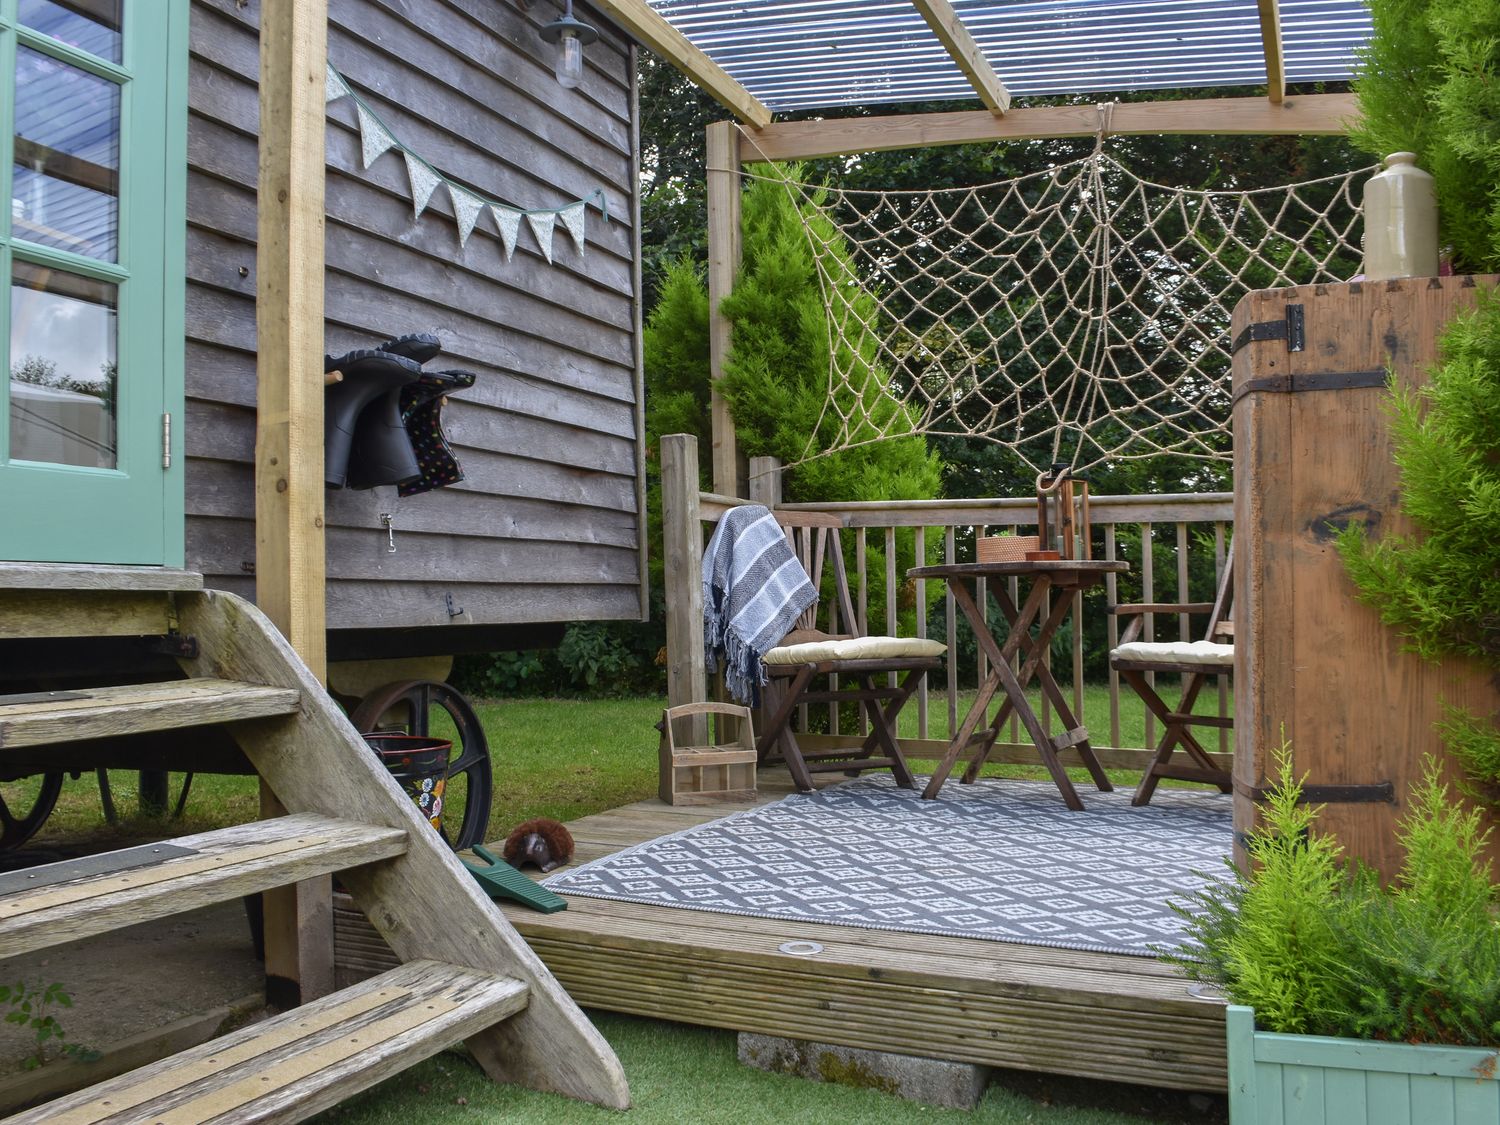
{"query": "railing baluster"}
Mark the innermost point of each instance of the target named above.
(1148, 633)
(952, 637)
(1112, 635)
(891, 625)
(919, 554)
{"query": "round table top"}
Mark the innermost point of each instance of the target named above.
(1058, 568)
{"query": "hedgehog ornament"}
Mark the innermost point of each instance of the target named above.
(546, 843)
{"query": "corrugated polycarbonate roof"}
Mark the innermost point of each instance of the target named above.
(805, 54)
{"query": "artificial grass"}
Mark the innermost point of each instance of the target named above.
(688, 1074)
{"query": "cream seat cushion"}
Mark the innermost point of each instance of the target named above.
(854, 648)
(1176, 652)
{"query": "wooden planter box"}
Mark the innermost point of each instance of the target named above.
(1317, 1080)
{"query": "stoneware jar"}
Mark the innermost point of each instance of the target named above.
(1400, 221)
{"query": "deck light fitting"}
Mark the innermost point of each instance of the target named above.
(571, 36)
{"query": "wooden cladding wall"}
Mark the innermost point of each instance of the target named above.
(547, 525)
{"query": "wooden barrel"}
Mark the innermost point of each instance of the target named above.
(1312, 453)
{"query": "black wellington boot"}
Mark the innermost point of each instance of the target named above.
(368, 376)
(382, 452)
(418, 347)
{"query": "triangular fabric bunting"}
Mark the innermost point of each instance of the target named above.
(541, 224)
(509, 222)
(373, 139)
(572, 221)
(466, 209)
(333, 86)
(423, 181)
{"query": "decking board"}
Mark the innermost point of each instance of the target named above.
(1097, 1015)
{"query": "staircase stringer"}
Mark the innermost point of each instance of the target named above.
(424, 903)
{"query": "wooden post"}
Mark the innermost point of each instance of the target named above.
(682, 557)
(765, 481)
(289, 549)
(723, 140)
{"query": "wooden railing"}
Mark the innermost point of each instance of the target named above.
(1179, 526)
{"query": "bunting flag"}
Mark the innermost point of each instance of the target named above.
(375, 140)
(423, 181)
(571, 218)
(333, 86)
(508, 220)
(466, 209)
(541, 223)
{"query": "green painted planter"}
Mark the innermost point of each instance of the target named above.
(1318, 1080)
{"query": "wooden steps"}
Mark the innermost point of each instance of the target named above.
(348, 815)
(180, 875)
(40, 718)
(303, 1062)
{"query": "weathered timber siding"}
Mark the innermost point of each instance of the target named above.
(545, 527)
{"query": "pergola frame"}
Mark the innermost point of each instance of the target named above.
(730, 145)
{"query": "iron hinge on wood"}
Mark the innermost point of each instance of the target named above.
(166, 441)
(1292, 328)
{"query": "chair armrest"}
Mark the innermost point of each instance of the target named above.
(1161, 607)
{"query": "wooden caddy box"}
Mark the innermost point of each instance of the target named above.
(702, 775)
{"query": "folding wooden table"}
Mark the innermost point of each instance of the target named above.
(1059, 580)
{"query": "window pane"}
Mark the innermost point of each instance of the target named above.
(63, 372)
(89, 25)
(67, 158)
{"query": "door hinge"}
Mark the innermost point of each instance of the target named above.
(166, 441)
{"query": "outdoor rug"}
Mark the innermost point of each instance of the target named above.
(1002, 860)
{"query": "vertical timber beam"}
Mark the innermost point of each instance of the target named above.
(289, 549)
(723, 162)
(1270, 37)
(765, 481)
(682, 561)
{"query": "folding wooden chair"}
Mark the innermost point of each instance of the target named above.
(1197, 662)
(808, 654)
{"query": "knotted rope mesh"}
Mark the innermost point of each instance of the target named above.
(1079, 314)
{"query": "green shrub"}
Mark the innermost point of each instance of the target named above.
(1316, 946)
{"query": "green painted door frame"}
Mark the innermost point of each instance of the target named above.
(130, 511)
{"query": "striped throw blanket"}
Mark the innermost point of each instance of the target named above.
(754, 589)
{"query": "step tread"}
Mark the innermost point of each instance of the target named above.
(39, 718)
(223, 864)
(92, 576)
(302, 1062)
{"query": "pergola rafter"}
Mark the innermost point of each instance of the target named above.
(968, 54)
(1270, 34)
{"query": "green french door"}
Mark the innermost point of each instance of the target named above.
(94, 115)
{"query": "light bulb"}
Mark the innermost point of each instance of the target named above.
(569, 62)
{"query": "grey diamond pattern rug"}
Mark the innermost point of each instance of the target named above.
(1002, 860)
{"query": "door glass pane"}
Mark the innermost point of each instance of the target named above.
(67, 157)
(63, 374)
(89, 25)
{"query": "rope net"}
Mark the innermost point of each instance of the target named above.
(1079, 314)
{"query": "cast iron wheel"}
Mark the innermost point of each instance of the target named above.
(428, 707)
(25, 805)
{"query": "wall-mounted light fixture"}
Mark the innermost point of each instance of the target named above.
(571, 36)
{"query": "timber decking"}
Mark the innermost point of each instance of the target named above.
(1096, 1015)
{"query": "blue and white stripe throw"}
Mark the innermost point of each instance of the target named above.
(754, 589)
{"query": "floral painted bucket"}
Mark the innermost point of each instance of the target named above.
(420, 766)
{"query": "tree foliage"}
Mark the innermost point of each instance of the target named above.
(1430, 84)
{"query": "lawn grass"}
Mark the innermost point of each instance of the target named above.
(562, 758)
(680, 1074)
